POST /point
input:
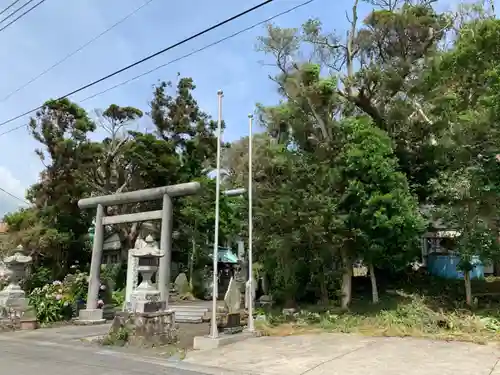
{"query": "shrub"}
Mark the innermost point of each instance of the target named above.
(52, 302)
(37, 278)
(77, 285)
(118, 298)
(56, 301)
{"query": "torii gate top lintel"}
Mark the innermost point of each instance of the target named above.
(144, 195)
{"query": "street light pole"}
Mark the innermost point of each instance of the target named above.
(213, 331)
(251, 327)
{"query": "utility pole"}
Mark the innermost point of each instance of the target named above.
(213, 331)
(251, 327)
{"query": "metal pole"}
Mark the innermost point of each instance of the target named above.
(213, 331)
(251, 327)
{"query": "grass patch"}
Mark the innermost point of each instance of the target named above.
(118, 338)
(398, 314)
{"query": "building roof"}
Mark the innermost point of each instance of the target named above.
(3, 228)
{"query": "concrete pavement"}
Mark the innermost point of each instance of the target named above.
(332, 354)
(59, 351)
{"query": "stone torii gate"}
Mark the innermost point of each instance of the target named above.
(91, 314)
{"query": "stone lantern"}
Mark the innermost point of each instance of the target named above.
(12, 296)
(146, 297)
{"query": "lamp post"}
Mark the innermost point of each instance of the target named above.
(213, 331)
(251, 327)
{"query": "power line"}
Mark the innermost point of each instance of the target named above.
(15, 10)
(177, 59)
(13, 196)
(9, 6)
(76, 50)
(147, 58)
(196, 51)
(22, 14)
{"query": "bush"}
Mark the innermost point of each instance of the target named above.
(77, 286)
(52, 302)
(57, 301)
(37, 278)
(118, 298)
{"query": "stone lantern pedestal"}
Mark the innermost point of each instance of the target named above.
(148, 320)
(12, 297)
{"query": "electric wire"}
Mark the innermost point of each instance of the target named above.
(196, 51)
(143, 60)
(16, 10)
(13, 196)
(9, 6)
(26, 12)
(183, 57)
(79, 49)
(219, 41)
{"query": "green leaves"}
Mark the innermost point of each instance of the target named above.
(379, 210)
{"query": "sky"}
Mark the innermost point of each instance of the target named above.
(55, 29)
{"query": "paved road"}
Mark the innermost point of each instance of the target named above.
(29, 356)
(59, 351)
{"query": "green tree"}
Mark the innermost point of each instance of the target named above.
(181, 149)
(382, 222)
(375, 70)
(59, 234)
(464, 92)
(114, 172)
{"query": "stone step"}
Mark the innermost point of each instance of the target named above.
(189, 308)
(190, 313)
(188, 319)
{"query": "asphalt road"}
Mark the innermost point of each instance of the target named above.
(25, 357)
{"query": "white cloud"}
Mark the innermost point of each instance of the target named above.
(12, 185)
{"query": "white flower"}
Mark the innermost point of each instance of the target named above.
(103, 287)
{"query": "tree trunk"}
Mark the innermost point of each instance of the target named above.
(323, 290)
(468, 288)
(373, 280)
(191, 263)
(346, 288)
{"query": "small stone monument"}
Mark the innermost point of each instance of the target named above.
(182, 284)
(231, 322)
(250, 293)
(359, 269)
(12, 297)
(146, 297)
(132, 274)
(232, 299)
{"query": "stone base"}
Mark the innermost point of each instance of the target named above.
(90, 317)
(150, 329)
(207, 343)
(28, 325)
(148, 306)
